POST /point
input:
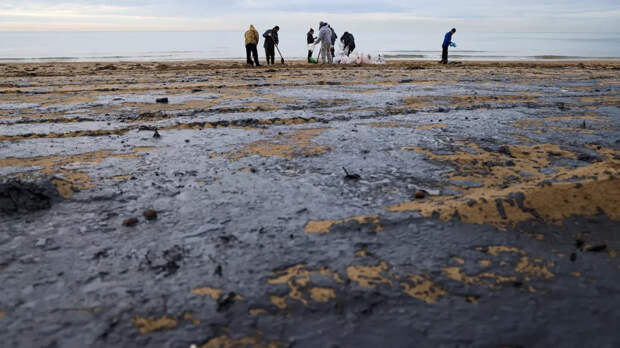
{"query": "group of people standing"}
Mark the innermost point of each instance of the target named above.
(327, 38)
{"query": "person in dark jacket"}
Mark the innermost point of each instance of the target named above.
(348, 41)
(310, 39)
(271, 40)
(334, 38)
(447, 41)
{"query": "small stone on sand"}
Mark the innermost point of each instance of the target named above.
(150, 214)
(131, 222)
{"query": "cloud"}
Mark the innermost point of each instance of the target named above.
(389, 15)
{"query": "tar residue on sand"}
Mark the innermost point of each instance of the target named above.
(202, 203)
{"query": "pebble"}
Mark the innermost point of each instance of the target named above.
(41, 242)
(131, 222)
(162, 100)
(420, 195)
(150, 214)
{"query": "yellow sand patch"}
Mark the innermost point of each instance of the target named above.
(495, 250)
(278, 301)
(520, 191)
(190, 317)
(602, 100)
(324, 226)
(456, 273)
(322, 294)
(433, 126)
(71, 179)
(254, 341)
(207, 291)
(145, 148)
(120, 177)
(535, 268)
(466, 100)
(423, 288)
(257, 311)
(528, 124)
(574, 117)
(147, 325)
(484, 263)
(298, 280)
(286, 146)
(75, 134)
(369, 276)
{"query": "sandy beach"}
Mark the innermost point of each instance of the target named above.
(480, 207)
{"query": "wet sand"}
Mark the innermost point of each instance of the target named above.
(482, 207)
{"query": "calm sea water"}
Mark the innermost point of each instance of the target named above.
(150, 46)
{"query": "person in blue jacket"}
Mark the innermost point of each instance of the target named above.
(447, 41)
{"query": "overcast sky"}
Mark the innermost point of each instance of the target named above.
(293, 15)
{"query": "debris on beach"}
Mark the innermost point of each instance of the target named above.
(130, 222)
(351, 176)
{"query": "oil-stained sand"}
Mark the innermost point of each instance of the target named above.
(260, 240)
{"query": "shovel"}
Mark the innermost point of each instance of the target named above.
(281, 58)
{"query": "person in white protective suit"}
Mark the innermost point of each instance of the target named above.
(325, 38)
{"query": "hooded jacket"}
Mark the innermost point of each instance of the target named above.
(271, 38)
(310, 38)
(251, 36)
(325, 35)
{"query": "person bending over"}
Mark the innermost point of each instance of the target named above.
(447, 41)
(271, 40)
(310, 39)
(348, 41)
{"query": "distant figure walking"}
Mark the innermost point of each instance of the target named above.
(271, 40)
(310, 39)
(447, 42)
(348, 41)
(251, 44)
(334, 37)
(325, 38)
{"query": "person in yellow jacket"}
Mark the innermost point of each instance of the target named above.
(251, 44)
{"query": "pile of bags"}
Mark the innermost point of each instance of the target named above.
(357, 57)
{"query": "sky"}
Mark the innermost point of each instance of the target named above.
(400, 16)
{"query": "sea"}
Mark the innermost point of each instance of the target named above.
(222, 45)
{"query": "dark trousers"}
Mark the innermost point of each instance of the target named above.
(252, 52)
(444, 55)
(270, 52)
(349, 49)
(309, 55)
